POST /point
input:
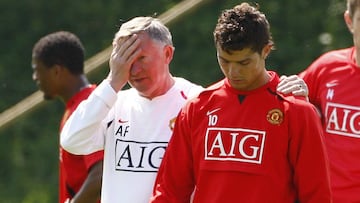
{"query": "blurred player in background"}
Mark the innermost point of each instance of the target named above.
(58, 70)
(333, 87)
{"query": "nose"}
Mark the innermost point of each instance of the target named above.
(234, 69)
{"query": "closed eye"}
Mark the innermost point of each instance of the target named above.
(244, 62)
(223, 61)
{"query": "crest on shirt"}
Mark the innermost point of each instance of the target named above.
(172, 124)
(275, 116)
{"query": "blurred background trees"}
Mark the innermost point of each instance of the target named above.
(302, 30)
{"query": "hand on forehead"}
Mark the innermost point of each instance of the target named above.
(122, 39)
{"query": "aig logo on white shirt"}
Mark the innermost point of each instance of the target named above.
(234, 144)
(138, 156)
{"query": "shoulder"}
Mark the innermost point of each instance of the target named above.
(212, 88)
(298, 105)
(328, 63)
(206, 94)
(189, 89)
(182, 82)
(335, 56)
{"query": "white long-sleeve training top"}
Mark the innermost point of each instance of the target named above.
(134, 132)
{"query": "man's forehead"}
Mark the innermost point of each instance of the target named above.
(236, 55)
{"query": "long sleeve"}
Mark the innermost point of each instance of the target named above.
(84, 131)
(237, 150)
(175, 180)
(308, 156)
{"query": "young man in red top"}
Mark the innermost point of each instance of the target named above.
(58, 69)
(333, 87)
(239, 140)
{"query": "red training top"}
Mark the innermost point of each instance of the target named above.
(333, 81)
(73, 169)
(255, 146)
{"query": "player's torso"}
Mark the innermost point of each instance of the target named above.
(339, 100)
(239, 140)
(140, 135)
(73, 170)
(135, 144)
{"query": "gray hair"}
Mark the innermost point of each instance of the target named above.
(152, 26)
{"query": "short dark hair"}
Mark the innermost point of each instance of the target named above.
(61, 48)
(243, 26)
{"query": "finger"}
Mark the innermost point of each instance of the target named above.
(285, 85)
(134, 55)
(133, 50)
(281, 85)
(117, 45)
(296, 89)
(287, 89)
(283, 77)
(127, 46)
(300, 92)
(293, 78)
(283, 80)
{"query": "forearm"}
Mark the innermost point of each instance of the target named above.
(91, 189)
(86, 124)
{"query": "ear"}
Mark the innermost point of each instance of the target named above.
(266, 51)
(169, 53)
(348, 21)
(59, 72)
(56, 69)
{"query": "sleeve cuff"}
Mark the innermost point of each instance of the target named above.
(106, 93)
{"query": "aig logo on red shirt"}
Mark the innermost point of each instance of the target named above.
(342, 119)
(234, 144)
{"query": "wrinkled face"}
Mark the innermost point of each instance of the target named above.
(150, 70)
(44, 78)
(245, 69)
